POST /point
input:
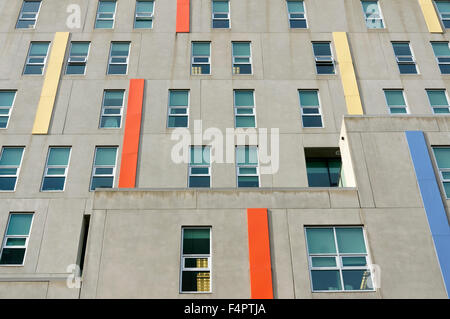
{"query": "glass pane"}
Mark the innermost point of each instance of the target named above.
(318, 174)
(113, 98)
(437, 97)
(39, 48)
(220, 6)
(395, 98)
(117, 69)
(202, 49)
(438, 110)
(195, 281)
(196, 262)
(225, 24)
(248, 170)
(53, 183)
(298, 24)
(7, 98)
(309, 98)
(322, 49)
(243, 98)
(178, 111)
(323, 261)
(7, 183)
(199, 170)
(115, 111)
(241, 49)
(398, 110)
(407, 68)
(58, 156)
(179, 98)
(443, 6)
(178, 121)
(144, 6)
(447, 189)
(312, 121)
(56, 171)
(357, 280)
(3, 121)
(104, 171)
(75, 69)
(350, 240)
(8, 171)
(79, 49)
(196, 241)
(354, 261)
(242, 69)
(244, 111)
(199, 181)
(120, 49)
(31, 6)
(104, 24)
(441, 48)
(245, 121)
(442, 155)
(334, 166)
(326, 280)
(11, 156)
(200, 155)
(445, 68)
(25, 24)
(19, 224)
(110, 122)
(247, 155)
(143, 24)
(295, 6)
(248, 181)
(102, 182)
(107, 6)
(401, 48)
(12, 256)
(105, 156)
(320, 241)
(16, 241)
(370, 6)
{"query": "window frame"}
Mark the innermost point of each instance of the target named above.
(319, 107)
(44, 63)
(305, 16)
(27, 239)
(10, 108)
(121, 108)
(331, 61)
(193, 57)
(238, 166)
(406, 107)
(68, 63)
(437, 57)
(412, 58)
(21, 13)
(169, 107)
(66, 169)
(441, 18)
(94, 167)
(149, 18)
(440, 171)
(120, 57)
(236, 108)
(381, 17)
(233, 61)
(220, 19)
(439, 107)
(97, 18)
(18, 168)
(190, 166)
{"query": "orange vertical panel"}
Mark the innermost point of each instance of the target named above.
(259, 254)
(130, 148)
(182, 16)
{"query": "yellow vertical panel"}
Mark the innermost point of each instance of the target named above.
(431, 17)
(51, 83)
(347, 71)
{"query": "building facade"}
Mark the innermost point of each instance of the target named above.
(224, 149)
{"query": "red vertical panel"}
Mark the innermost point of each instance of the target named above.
(182, 16)
(259, 254)
(130, 148)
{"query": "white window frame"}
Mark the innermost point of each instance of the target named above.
(438, 57)
(324, 59)
(148, 16)
(6, 237)
(338, 257)
(234, 57)
(10, 108)
(191, 166)
(169, 107)
(406, 59)
(441, 14)
(98, 18)
(65, 167)
(84, 62)
(227, 13)
(439, 106)
(193, 57)
(236, 108)
(102, 114)
(238, 166)
(13, 167)
(441, 171)
(203, 256)
(22, 13)
(406, 107)
(379, 18)
(319, 107)
(44, 63)
(94, 167)
(127, 58)
(299, 13)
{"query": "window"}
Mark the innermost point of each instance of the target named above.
(323, 167)
(10, 161)
(37, 56)
(55, 173)
(405, 59)
(395, 101)
(6, 103)
(310, 108)
(372, 14)
(196, 260)
(118, 58)
(244, 108)
(438, 101)
(442, 53)
(112, 109)
(296, 12)
(106, 14)
(201, 58)
(242, 59)
(28, 15)
(200, 167)
(144, 15)
(338, 259)
(78, 55)
(104, 169)
(443, 8)
(247, 166)
(442, 156)
(16, 239)
(221, 14)
(323, 57)
(178, 108)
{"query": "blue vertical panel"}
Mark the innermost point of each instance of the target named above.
(432, 201)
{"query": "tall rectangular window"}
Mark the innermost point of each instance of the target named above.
(442, 53)
(106, 13)
(6, 104)
(221, 14)
(405, 58)
(244, 108)
(200, 167)
(310, 108)
(372, 14)
(15, 241)
(442, 156)
(78, 55)
(104, 169)
(201, 58)
(144, 15)
(323, 57)
(338, 259)
(242, 58)
(28, 15)
(178, 108)
(10, 162)
(443, 8)
(297, 16)
(247, 166)
(438, 101)
(118, 58)
(56, 168)
(36, 59)
(112, 109)
(395, 101)
(196, 260)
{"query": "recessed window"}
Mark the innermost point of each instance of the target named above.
(242, 58)
(404, 57)
(443, 8)
(324, 167)
(118, 58)
(104, 169)
(200, 167)
(144, 15)
(442, 54)
(112, 109)
(106, 14)
(56, 168)
(178, 108)
(36, 59)
(244, 108)
(338, 259)
(442, 156)
(247, 166)
(221, 14)
(310, 108)
(297, 16)
(323, 58)
(28, 15)
(395, 101)
(10, 162)
(15, 241)
(372, 14)
(78, 55)
(438, 101)
(196, 260)
(6, 104)
(201, 58)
